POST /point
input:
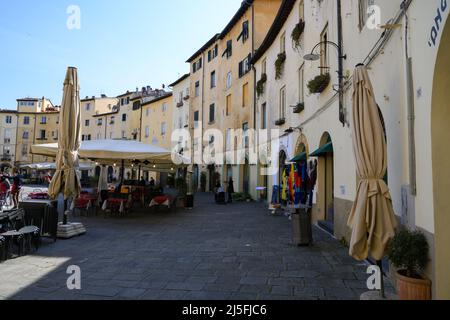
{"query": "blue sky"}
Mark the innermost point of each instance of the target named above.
(121, 44)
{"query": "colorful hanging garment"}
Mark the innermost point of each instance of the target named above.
(292, 183)
(298, 183)
(284, 187)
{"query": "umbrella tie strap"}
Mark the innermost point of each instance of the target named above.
(376, 186)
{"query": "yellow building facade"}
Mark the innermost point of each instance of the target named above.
(37, 123)
(157, 121)
(91, 129)
(222, 87)
(8, 125)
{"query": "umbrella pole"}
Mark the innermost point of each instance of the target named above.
(122, 178)
(65, 218)
(382, 292)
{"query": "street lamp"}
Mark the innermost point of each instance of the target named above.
(341, 57)
(314, 56)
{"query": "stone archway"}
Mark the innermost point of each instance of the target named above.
(440, 135)
(302, 145)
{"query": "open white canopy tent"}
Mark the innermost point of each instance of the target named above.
(121, 153)
(52, 166)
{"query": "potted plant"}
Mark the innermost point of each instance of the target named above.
(319, 83)
(408, 252)
(280, 122)
(299, 107)
(279, 64)
(260, 84)
(297, 33)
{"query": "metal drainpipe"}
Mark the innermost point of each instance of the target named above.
(410, 108)
(253, 67)
(17, 134)
(203, 103)
(411, 127)
(341, 64)
(140, 123)
(34, 136)
(106, 127)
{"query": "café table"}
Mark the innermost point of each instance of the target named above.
(42, 214)
(9, 237)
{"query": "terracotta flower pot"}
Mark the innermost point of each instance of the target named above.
(412, 288)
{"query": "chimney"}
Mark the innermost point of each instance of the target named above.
(103, 95)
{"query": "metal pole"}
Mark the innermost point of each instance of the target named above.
(65, 218)
(122, 174)
(341, 63)
(382, 291)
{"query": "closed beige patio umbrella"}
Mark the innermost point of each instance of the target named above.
(67, 177)
(372, 218)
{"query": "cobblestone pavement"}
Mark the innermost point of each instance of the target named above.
(213, 252)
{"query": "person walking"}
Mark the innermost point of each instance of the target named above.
(15, 188)
(5, 188)
(230, 190)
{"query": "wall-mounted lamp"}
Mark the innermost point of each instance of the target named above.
(341, 57)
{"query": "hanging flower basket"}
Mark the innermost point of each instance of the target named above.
(279, 64)
(297, 33)
(319, 83)
(299, 108)
(260, 84)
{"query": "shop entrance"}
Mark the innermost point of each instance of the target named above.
(196, 177)
(440, 119)
(325, 182)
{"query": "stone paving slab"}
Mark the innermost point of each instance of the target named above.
(238, 251)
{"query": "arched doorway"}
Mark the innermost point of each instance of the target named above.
(246, 177)
(325, 183)
(302, 146)
(196, 177)
(440, 135)
(212, 180)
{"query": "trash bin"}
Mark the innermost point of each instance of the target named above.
(302, 227)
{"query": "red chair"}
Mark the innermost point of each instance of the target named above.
(82, 205)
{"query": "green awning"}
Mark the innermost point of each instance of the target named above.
(299, 157)
(323, 151)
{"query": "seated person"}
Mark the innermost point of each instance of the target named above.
(220, 194)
